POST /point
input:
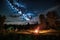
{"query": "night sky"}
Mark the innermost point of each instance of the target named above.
(34, 7)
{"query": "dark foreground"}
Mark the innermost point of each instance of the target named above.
(28, 37)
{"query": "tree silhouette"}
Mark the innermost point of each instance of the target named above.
(2, 20)
(51, 19)
(42, 21)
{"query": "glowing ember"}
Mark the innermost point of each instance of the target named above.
(36, 31)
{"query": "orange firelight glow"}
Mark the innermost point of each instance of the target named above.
(36, 31)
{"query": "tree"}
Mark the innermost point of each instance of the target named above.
(42, 24)
(2, 20)
(51, 19)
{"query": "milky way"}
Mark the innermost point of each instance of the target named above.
(21, 9)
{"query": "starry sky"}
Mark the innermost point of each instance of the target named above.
(32, 6)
